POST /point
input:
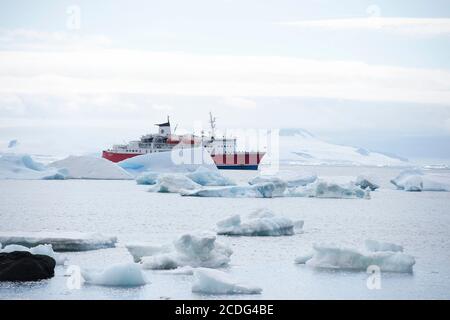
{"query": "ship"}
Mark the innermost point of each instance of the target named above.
(222, 150)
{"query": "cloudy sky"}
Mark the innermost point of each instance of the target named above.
(78, 75)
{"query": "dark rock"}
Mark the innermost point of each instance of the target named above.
(24, 266)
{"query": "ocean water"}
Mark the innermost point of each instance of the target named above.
(418, 221)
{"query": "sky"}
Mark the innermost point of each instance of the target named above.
(76, 76)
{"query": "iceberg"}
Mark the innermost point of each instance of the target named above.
(262, 222)
(173, 183)
(23, 167)
(365, 182)
(139, 250)
(211, 281)
(207, 177)
(324, 189)
(42, 249)
(194, 250)
(118, 275)
(291, 178)
(416, 180)
(148, 178)
(85, 167)
(333, 257)
(177, 160)
(260, 190)
(65, 241)
(377, 246)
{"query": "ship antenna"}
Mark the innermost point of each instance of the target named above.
(212, 122)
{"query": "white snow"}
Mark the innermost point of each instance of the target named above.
(85, 167)
(148, 178)
(61, 241)
(376, 246)
(173, 183)
(334, 257)
(291, 178)
(207, 177)
(211, 281)
(139, 250)
(118, 275)
(177, 160)
(42, 249)
(416, 180)
(194, 250)
(262, 222)
(23, 167)
(325, 189)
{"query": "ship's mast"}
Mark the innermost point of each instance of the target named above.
(212, 122)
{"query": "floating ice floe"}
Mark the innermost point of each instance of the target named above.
(260, 190)
(262, 222)
(333, 257)
(366, 182)
(194, 250)
(291, 178)
(85, 167)
(23, 167)
(377, 246)
(42, 249)
(119, 275)
(208, 177)
(416, 180)
(324, 189)
(177, 160)
(148, 178)
(173, 183)
(64, 241)
(211, 281)
(139, 250)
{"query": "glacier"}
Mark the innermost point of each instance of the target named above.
(417, 180)
(211, 281)
(194, 250)
(117, 275)
(262, 222)
(60, 241)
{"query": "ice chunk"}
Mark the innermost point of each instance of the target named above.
(42, 249)
(291, 178)
(303, 259)
(211, 281)
(194, 250)
(375, 246)
(139, 250)
(173, 183)
(324, 189)
(23, 167)
(148, 178)
(13, 143)
(65, 241)
(260, 190)
(260, 223)
(85, 167)
(119, 275)
(177, 160)
(332, 257)
(366, 182)
(206, 177)
(416, 180)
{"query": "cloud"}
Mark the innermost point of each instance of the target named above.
(400, 25)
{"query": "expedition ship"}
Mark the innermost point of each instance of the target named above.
(222, 150)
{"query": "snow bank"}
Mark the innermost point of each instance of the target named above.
(148, 178)
(66, 241)
(260, 190)
(139, 250)
(333, 257)
(324, 189)
(416, 180)
(365, 182)
(23, 167)
(123, 275)
(84, 167)
(173, 183)
(376, 246)
(42, 249)
(210, 281)
(194, 250)
(262, 222)
(207, 177)
(177, 160)
(291, 178)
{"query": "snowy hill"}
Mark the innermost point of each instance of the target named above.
(299, 146)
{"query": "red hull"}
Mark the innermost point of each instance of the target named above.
(223, 161)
